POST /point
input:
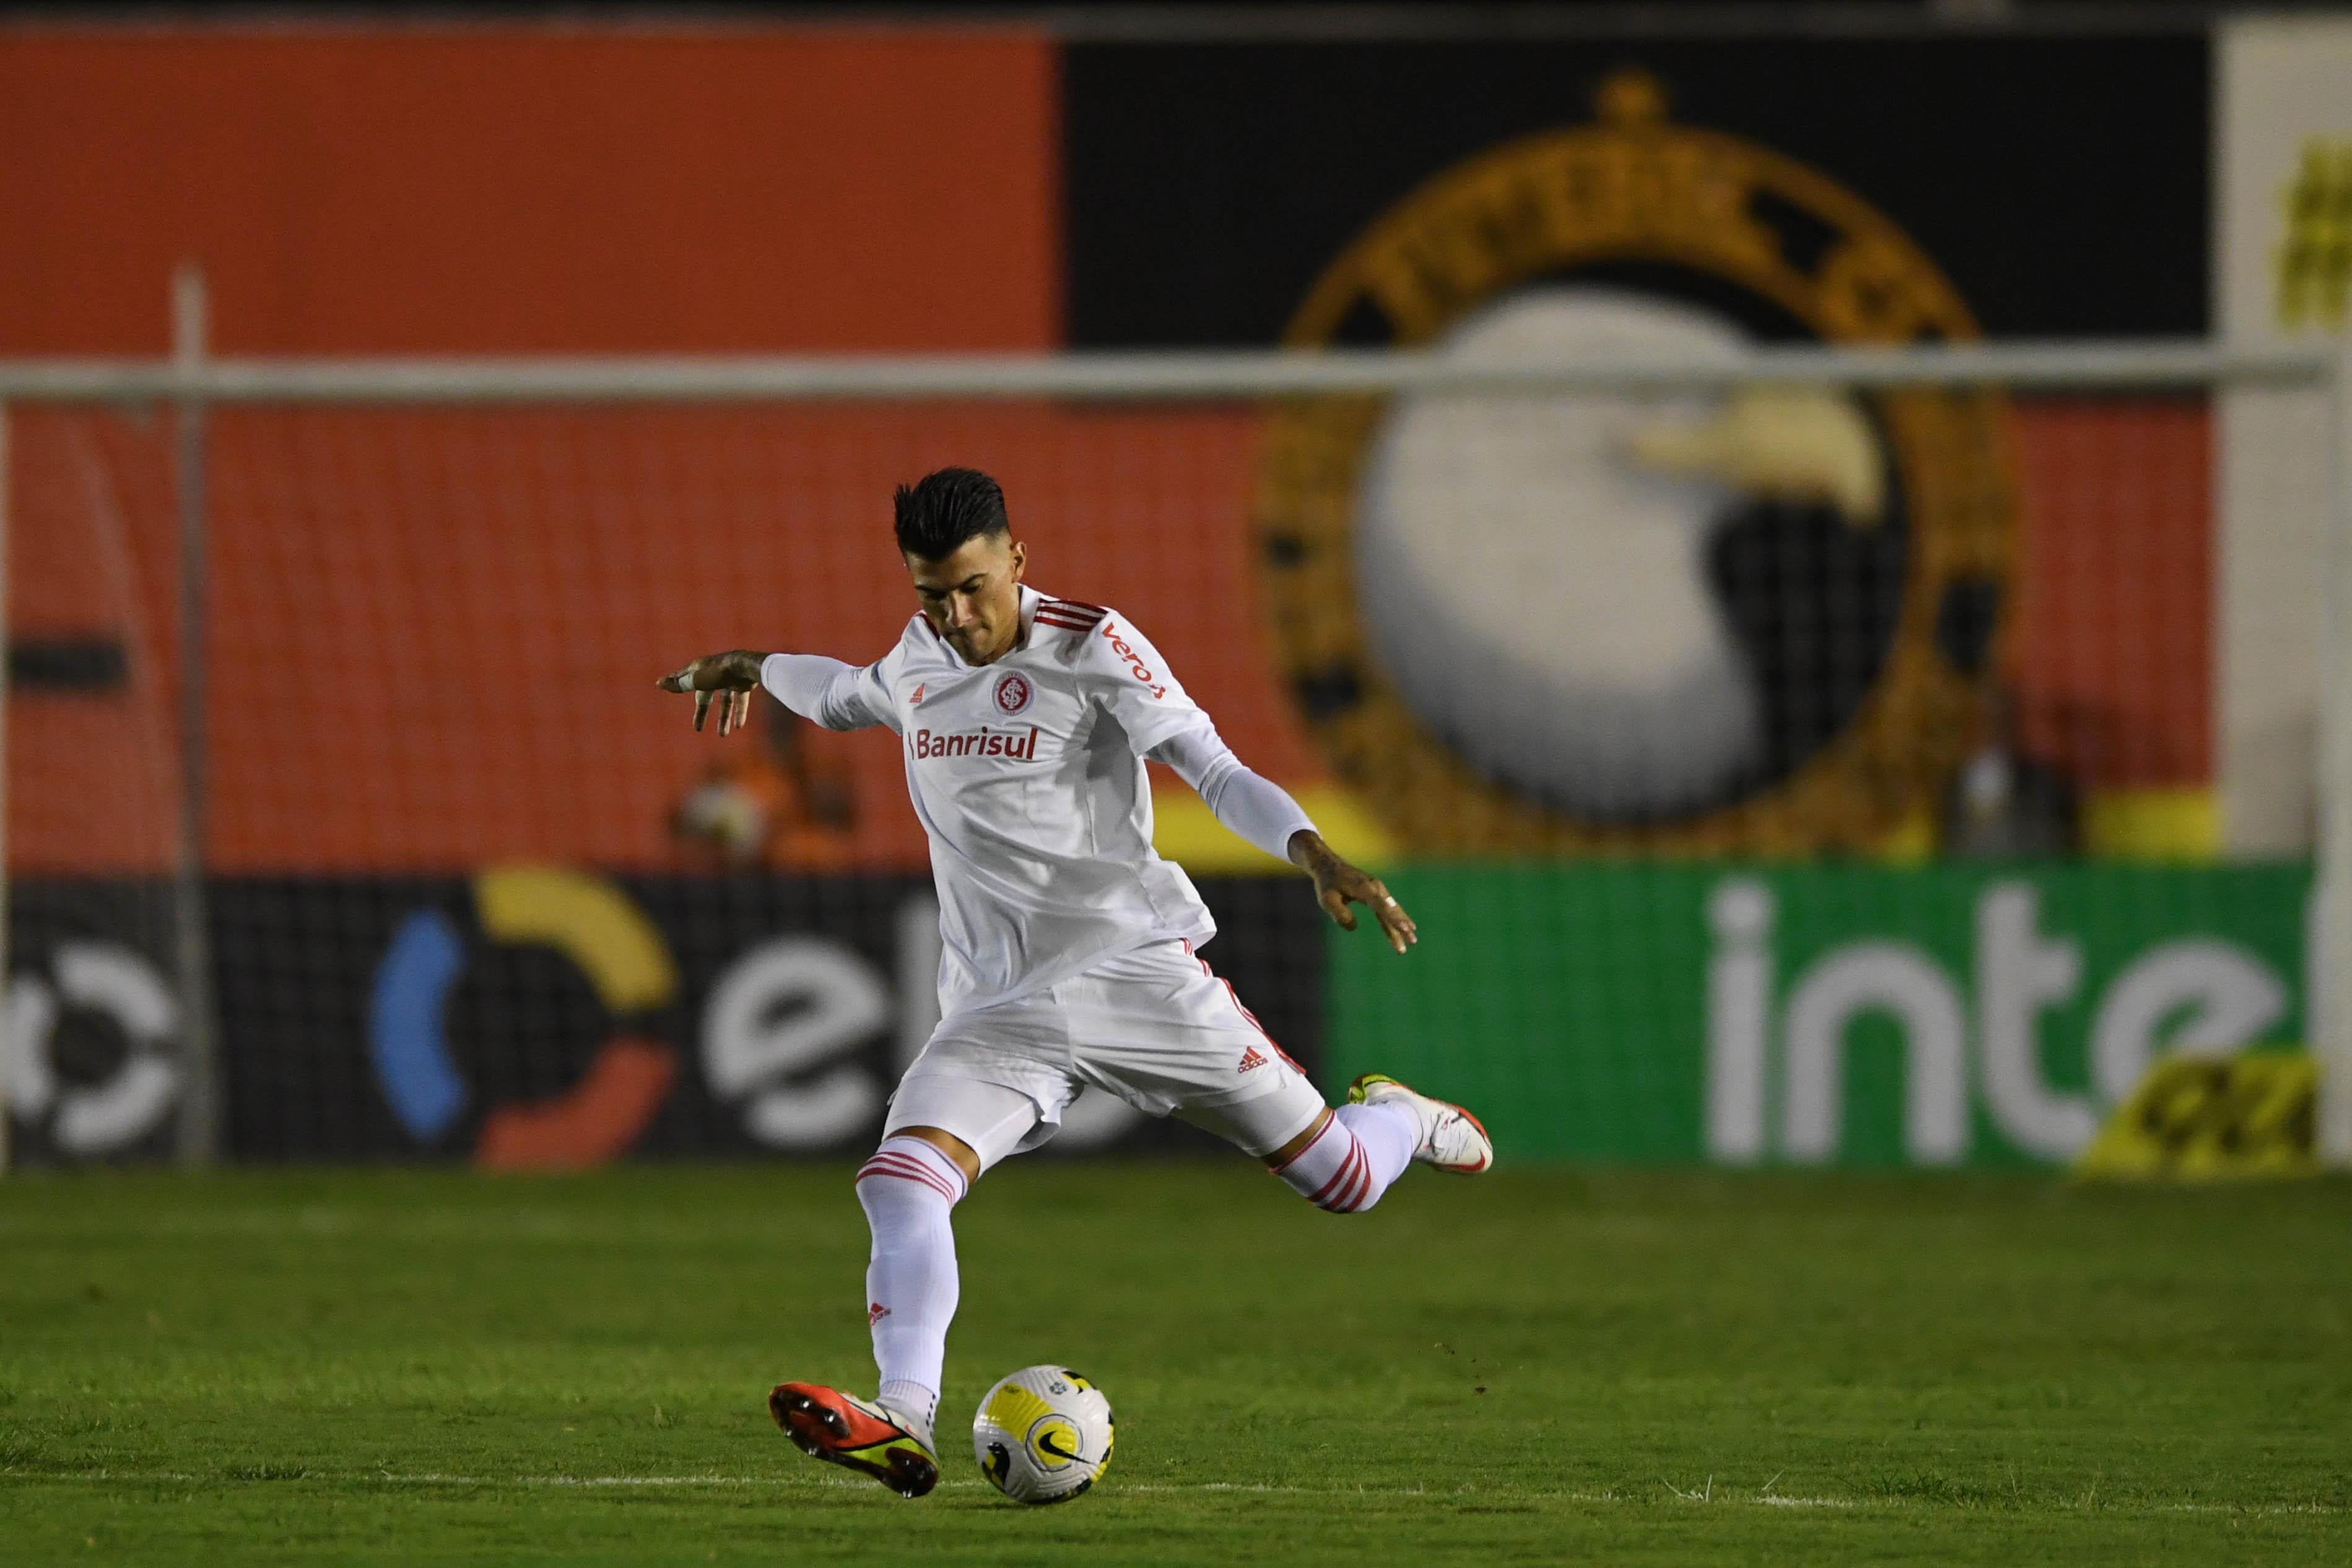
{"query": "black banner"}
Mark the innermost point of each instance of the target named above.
(539, 1018)
(2062, 184)
(89, 1043)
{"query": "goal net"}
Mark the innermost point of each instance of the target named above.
(1826, 757)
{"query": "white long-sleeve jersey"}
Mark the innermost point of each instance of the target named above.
(1028, 776)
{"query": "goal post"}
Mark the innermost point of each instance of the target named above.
(2332, 980)
(7, 1046)
(1138, 375)
(309, 493)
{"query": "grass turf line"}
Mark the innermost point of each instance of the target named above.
(412, 1366)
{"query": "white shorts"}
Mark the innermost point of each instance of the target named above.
(1154, 1027)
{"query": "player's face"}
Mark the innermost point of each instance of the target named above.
(973, 596)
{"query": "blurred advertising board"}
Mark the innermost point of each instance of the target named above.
(538, 1017)
(1641, 1013)
(1817, 1015)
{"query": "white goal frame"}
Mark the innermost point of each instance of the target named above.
(192, 382)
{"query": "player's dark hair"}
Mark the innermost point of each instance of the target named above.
(942, 510)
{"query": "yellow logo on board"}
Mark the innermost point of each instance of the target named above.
(2205, 1119)
(2314, 261)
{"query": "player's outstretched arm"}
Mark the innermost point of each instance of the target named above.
(1338, 884)
(730, 677)
(820, 690)
(1166, 725)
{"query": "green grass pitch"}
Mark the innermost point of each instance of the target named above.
(417, 1366)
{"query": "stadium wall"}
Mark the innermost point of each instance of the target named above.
(1646, 1015)
(493, 189)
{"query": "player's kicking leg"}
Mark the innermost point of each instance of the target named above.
(1349, 1155)
(1452, 1139)
(1165, 1027)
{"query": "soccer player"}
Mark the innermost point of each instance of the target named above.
(1067, 956)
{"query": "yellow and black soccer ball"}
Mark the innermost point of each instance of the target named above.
(1042, 1435)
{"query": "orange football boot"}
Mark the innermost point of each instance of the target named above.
(843, 1429)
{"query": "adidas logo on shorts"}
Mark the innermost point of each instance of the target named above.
(876, 1313)
(1251, 1059)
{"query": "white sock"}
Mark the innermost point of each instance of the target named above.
(1388, 1131)
(1360, 1151)
(915, 1406)
(908, 1190)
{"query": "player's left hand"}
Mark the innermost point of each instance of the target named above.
(1338, 884)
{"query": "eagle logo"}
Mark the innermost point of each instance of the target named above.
(1757, 622)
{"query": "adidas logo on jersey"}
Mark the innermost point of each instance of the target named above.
(1251, 1059)
(983, 742)
(876, 1313)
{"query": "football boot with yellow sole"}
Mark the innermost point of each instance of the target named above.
(1451, 1138)
(843, 1429)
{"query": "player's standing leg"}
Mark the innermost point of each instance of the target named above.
(908, 1191)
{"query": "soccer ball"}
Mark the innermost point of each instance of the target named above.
(1042, 1435)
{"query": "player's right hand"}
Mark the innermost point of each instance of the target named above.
(730, 677)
